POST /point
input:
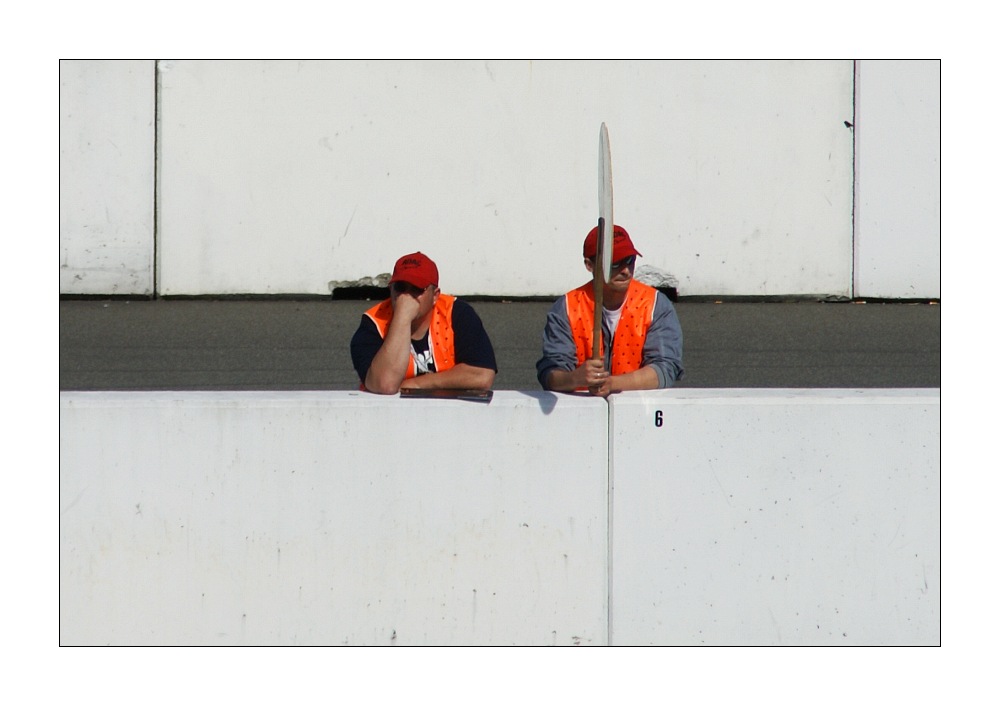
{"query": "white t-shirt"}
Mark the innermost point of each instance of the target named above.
(611, 318)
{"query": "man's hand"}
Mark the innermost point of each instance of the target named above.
(406, 309)
(592, 374)
(603, 389)
(589, 376)
(594, 377)
(598, 379)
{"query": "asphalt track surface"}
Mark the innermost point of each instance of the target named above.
(198, 344)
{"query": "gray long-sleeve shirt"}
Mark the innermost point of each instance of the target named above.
(661, 350)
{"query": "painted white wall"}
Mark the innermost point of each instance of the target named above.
(769, 517)
(343, 517)
(899, 179)
(279, 177)
(332, 518)
(106, 136)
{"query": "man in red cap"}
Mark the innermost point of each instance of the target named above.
(639, 322)
(420, 337)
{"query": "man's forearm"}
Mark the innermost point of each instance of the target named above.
(562, 380)
(642, 379)
(460, 377)
(389, 365)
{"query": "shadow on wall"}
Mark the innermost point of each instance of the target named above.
(546, 400)
(372, 293)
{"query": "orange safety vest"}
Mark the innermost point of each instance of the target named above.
(637, 314)
(442, 334)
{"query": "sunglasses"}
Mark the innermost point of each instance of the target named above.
(628, 262)
(407, 288)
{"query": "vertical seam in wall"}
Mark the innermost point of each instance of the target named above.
(156, 176)
(611, 507)
(854, 182)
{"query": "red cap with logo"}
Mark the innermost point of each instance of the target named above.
(417, 269)
(622, 248)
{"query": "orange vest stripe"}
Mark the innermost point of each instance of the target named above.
(442, 333)
(637, 313)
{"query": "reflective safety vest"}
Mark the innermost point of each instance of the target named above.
(636, 316)
(442, 334)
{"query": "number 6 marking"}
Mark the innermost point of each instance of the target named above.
(658, 418)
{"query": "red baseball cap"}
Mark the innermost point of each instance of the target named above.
(622, 248)
(417, 269)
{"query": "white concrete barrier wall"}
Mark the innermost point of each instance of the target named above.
(332, 518)
(106, 183)
(746, 517)
(770, 517)
(279, 177)
(898, 171)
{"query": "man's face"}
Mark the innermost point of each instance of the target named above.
(425, 297)
(621, 273)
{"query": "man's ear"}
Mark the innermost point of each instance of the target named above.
(589, 264)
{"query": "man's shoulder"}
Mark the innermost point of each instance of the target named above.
(646, 289)
(463, 313)
(560, 305)
(584, 293)
(380, 309)
(644, 295)
(460, 306)
(367, 332)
